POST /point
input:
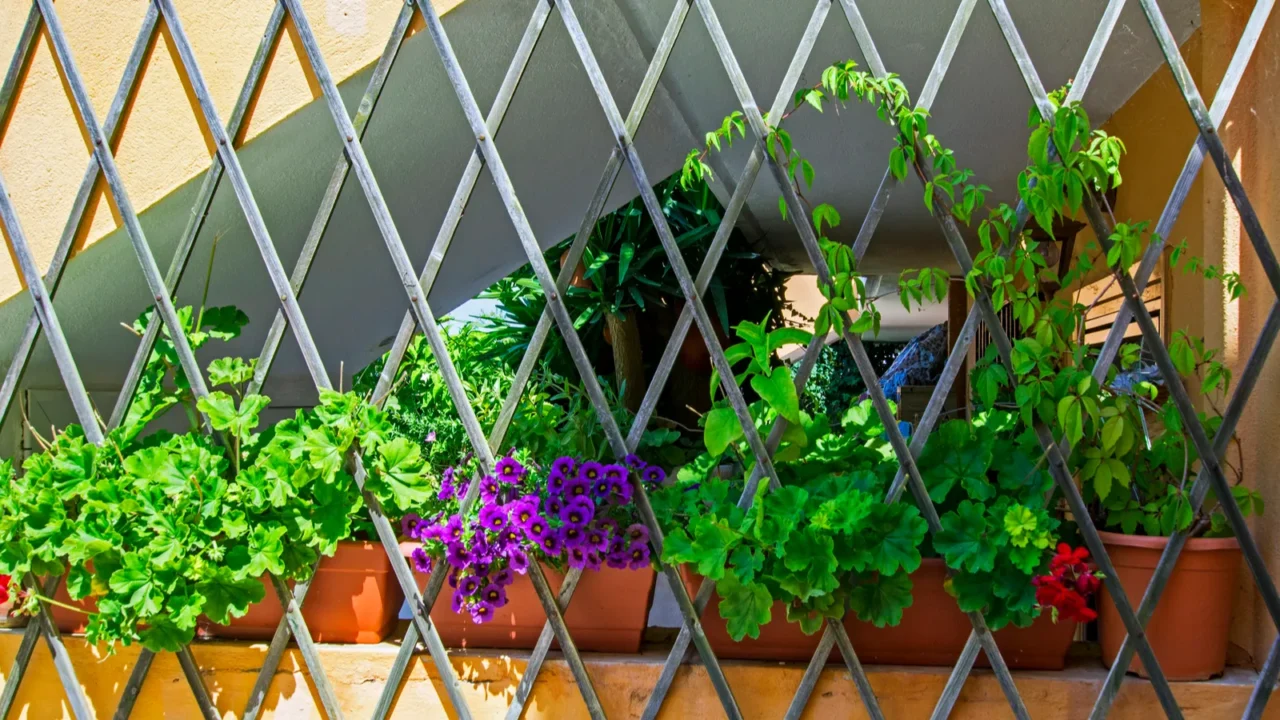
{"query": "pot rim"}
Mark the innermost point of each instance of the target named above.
(1158, 542)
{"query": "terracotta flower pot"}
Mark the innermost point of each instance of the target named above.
(693, 351)
(933, 631)
(354, 598)
(609, 612)
(577, 280)
(1191, 624)
(70, 622)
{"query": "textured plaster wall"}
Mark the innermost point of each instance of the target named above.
(43, 153)
(1250, 132)
(1157, 128)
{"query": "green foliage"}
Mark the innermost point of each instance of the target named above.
(1149, 490)
(625, 268)
(821, 544)
(834, 382)
(161, 528)
(997, 530)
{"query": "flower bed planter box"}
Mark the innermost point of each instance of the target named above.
(354, 598)
(609, 612)
(1190, 627)
(933, 631)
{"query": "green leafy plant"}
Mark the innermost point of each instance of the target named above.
(997, 529)
(162, 528)
(625, 293)
(1149, 491)
(1048, 380)
(823, 542)
(553, 416)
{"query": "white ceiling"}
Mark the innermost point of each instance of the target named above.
(555, 143)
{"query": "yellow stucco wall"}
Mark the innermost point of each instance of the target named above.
(623, 684)
(1250, 133)
(1156, 126)
(43, 154)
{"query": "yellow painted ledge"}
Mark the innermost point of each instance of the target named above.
(763, 690)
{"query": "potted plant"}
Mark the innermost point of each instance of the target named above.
(996, 538)
(820, 545)
(572, 513)
(156, 531)
(354, 597)
(1140, 507)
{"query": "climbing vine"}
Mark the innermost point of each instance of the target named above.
(1049, 380)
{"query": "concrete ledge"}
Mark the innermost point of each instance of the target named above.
(623, 682)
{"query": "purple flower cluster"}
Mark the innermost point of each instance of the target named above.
(580, 515)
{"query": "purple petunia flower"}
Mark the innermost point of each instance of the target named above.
(522, 512)
(481, 612)
(488, 488)
(578, 512)
(536, 528)
(614, 472)
(509, 537)
(554, 506)
(551, 544)
(494, 594)
(638, 554)
(654, 475)
(634, 462)
(469, 585)
(620, 490)
(453, 529)
(503, 577)
(409, 523)
(555, 482)
(421, 561)
(565, 466)
(594, 560)
(617, 559)
(446, 490)
(637, 533)
(591, 471)
(426, 530)
(577, 487)
(453, 579)
(597, 539)
(602, 488)
(509, 470)
(458, 556)
(577, 558)
(518, 561)
(608, 526)
(457, 602)
(618, 544)
(493, 518)
(573, 536)
(431, 436)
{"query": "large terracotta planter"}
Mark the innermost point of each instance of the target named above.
(1190, 627)
(933, 631)
(354, 598)
(609, 612)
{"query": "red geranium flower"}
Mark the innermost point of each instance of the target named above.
(1066, 590)
(4, 588)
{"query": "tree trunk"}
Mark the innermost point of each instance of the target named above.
(628, 360)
